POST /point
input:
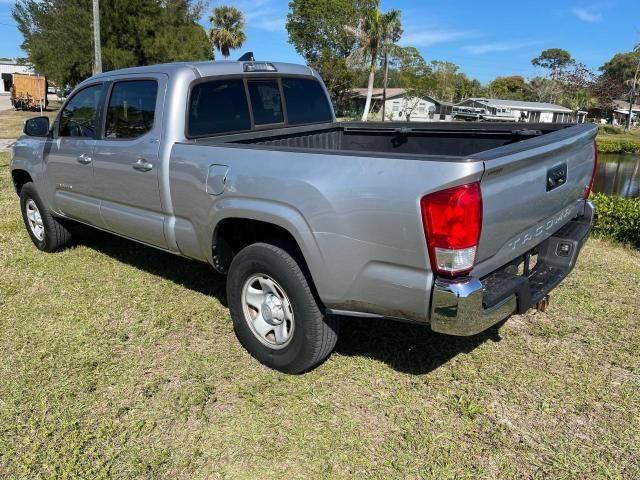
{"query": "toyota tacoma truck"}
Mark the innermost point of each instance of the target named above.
(242, 165)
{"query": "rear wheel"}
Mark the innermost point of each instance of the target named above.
(46, 232)
(274, 312)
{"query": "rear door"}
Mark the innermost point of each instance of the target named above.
(126, 159)
(529, 190)
(69, 156)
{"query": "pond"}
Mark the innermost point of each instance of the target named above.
(618, 174)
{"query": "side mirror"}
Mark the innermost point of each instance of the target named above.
(37, 127)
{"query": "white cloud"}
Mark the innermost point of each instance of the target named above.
(496, 47)
(586, 15)
(426, 37)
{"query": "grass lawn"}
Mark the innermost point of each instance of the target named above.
(615, 139)
(120, 361)
(12, 121)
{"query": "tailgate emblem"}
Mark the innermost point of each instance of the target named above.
(556, 177)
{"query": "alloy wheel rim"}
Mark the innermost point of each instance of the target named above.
(268, 311)
(36, 225)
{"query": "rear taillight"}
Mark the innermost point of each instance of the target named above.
(452, 221)
(587, 190)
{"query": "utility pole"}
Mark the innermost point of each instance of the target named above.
(97, 57)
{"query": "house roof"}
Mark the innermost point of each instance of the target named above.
(377, 92)
(391, 93)
(622, 105)
(519, 104)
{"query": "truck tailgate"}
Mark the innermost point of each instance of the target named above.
(530, 189)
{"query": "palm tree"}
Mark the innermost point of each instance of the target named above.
(377, 35)
(633, 84)
(226, 32)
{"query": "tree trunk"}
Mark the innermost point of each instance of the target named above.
(384, 86)
(632, 95)
(367, 104)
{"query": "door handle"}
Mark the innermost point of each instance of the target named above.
(142, 165)
(84, 159)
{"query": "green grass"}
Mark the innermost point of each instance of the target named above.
(12, 121)
(120, 361)
(616, 140)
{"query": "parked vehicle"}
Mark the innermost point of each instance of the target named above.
(242, 165)
(28, 92)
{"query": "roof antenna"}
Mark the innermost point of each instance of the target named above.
(247, 57)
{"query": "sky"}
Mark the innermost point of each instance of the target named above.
(485, 38)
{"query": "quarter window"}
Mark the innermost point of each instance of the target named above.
(78, 119)
(131, 109)
(218, 106)
(306, 101)
(265, 102)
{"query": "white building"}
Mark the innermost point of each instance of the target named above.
(7, 69)
(399, 106)
(494, 109)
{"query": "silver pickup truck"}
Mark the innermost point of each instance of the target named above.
(243, 165)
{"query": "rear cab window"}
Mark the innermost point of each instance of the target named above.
(241, 104)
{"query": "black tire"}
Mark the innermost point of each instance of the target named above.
(314, 336)
(56, 236)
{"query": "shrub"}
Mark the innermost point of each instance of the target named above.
(610, 130)
(614, 145)
(617, 218)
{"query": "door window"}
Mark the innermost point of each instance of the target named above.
(131, 109)
(78, 119)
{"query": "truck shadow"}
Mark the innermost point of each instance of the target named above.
(196, 276)
(405, 347)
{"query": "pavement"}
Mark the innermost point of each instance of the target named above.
(5, 102)
(5, 142)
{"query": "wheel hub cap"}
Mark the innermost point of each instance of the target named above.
(268, 311)
(272, 310)
(35, 219)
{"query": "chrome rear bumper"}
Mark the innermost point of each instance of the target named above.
(467, 306)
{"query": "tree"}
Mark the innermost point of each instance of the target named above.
(226, 33)
(577, 84)
(544, 89)
(622, 66)
(416, 78)
(58, 37)
(510, 88)
(376, 35)
(554, 60)
(317, 31)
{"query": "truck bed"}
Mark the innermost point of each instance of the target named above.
(450, 139)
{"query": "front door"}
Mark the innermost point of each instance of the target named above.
(126, 159)
(69, 156)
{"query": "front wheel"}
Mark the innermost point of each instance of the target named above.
(274, 312)
(46, 232)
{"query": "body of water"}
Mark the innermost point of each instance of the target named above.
(618, 174)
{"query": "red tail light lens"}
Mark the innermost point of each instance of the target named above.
(452, 222)
(587, 191)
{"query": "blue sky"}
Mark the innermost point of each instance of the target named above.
(485, 38)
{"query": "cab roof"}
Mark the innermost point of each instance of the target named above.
(208, 69)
